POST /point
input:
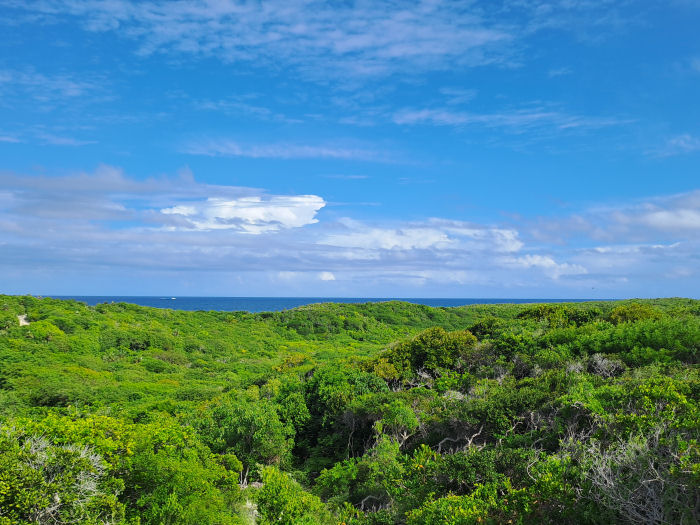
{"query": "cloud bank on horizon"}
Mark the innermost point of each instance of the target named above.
(386, 148)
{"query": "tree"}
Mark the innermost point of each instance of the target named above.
(282, 500)
(252, 430)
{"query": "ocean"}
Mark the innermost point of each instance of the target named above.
(274, 304)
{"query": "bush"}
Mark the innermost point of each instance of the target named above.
(44, 482)
(282, 500)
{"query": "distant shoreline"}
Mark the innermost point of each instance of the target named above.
(267, 304)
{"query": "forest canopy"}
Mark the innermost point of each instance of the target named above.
(374, 413)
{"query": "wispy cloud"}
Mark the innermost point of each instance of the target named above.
(559, 72)
(515, 120)
(346, 177)
(357, 39)
(58, 140)
(241, 106)
(589, 21)
(39, 135)
(458, 95)
(43, 88)
(678, 145)
(349, 39)
(232, 148)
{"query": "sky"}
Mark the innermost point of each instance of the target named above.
(500, 149)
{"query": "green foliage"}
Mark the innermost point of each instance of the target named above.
(250, 429)
(8, 320)
(45, 482)
(633, 312)
(155, 473)
(431, 350)
(173, 478)
(397, 421)
(372, 481)
(282, 500)
(366, 414)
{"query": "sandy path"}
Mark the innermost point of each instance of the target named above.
(23, 320)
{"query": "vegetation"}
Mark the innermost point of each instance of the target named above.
(358, 414)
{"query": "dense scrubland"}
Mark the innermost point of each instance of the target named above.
(358, 414)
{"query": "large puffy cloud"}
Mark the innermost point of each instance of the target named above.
(253, 214)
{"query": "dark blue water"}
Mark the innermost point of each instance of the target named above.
(269, 304)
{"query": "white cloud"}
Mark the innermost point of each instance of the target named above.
(438, 234)
(254, 214)
(675, 215)
(10, 139)
(546, 263)
(326, 276)
(674, 220)
(497, 239)
(409, 238)
(660, 219)
(633, 248)
(647, 264)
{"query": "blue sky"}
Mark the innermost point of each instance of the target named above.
(515, 148)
